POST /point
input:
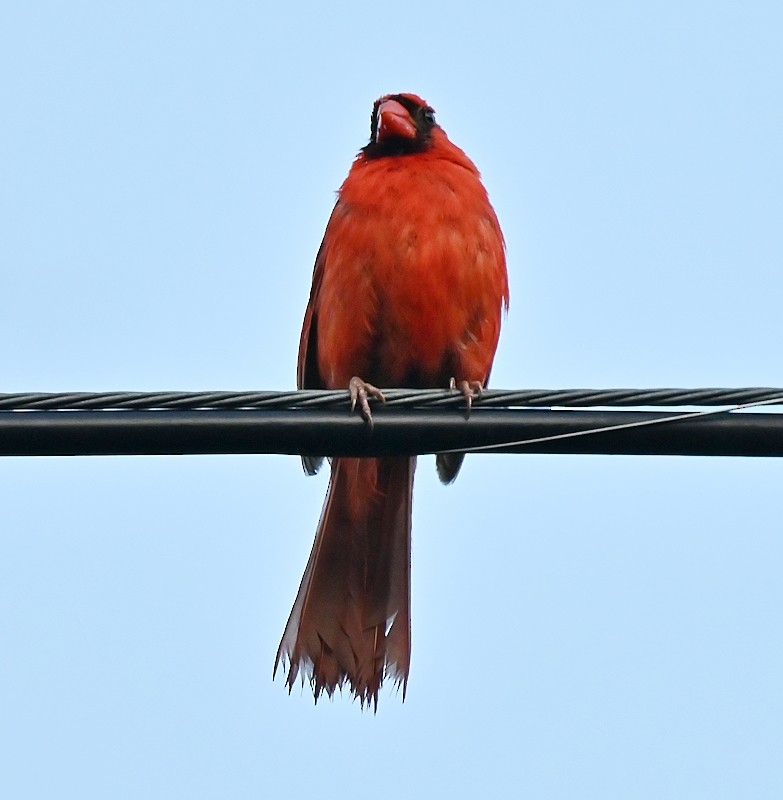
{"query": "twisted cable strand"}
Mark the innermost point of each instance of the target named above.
(402, 398)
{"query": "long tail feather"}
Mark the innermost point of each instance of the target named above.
(351, 618)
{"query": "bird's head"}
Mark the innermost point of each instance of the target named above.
(400, 124)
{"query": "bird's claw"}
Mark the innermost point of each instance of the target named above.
(469, 390)
(360, 390)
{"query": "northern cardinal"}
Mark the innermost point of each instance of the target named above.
(408, 288)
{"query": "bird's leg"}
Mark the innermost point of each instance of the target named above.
(360, 390)
(469, 390)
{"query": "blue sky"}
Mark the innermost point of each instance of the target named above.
(588, 627)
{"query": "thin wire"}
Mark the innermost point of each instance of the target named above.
(622, 426)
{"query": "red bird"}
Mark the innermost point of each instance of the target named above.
(408, 288)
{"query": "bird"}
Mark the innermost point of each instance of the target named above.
(409, 289)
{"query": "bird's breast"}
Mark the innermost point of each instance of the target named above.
(414, 267)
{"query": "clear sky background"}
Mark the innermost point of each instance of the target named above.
(591, 627)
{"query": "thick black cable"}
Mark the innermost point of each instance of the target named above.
(396, 431)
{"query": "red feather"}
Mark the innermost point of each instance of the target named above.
(408, 289)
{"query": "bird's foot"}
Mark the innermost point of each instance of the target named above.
(469, 390)
(360, 390)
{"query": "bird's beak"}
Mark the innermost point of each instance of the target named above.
(394, 120)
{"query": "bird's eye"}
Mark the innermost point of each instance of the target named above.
(429, 116)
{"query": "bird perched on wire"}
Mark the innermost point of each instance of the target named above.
(408, 288)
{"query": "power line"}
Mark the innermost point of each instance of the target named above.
(414, 398)
(412, 422)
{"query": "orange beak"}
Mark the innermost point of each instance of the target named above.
(394, 120)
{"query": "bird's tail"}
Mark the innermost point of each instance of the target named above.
(351, 617)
